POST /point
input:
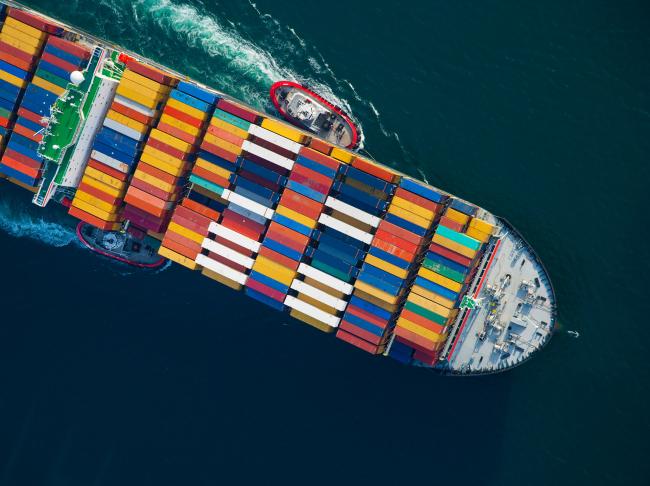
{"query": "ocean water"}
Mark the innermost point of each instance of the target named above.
(539, 112)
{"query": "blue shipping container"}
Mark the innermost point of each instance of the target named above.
(198, 93)
(268, 281)
(306, 191)
(426, 192)
(282, 249)
(264, 299)
(463, 207)
(56, 70)
(189, 100)
(65, 56)
(315, 166)
(407, 225)
(13, 70)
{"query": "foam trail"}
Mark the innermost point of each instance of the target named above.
(21, 224)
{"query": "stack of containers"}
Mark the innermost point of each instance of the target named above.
(228, 251)
(59, 59)
(152, 191)
(21, 42)
(363, 196)
(161, 174)
(447, 269)
(278, 269)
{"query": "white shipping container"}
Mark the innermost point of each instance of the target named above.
(274, 138)
(345, 228)
(319, 295)
(353, 212)
(221, 269)
(228, 253)
(123, 129)
(267, 154)
(249, 204)
(109, 161)
(134, 106)
(230, 235)
(312, 311)
(325, 278)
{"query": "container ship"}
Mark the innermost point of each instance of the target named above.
(151, 160)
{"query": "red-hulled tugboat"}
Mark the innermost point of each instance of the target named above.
(308, 110)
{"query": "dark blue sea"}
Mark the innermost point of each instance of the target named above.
(538, 111)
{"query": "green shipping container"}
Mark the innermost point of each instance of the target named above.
(207, 185)
(47, 76)
(426, 313)
(232, 119)
(444, 271)
(329, 270)
(464, 240)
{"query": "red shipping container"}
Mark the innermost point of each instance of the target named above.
(242, 225)
(23, 159)
(313, 175)
(397, 241)
(224, 135)
(210, 177)
(28, 133)
(414, 338)
(14, 51)
(304, 205)
(131, 113)
(358, 342)
(265, 163)
(415, 199)
(189, 224)
(190, 215)
(99, 194)
(157, 173)
(422, 321)
(278, 258)
(400, 232)
(452, 255)
(226, 262)
(266, 290)
(151, 72)
(134, 199)
(361, 333)
(426, 358)
(58, 62)
(108, 170)
(450, 223)
(201, 209)
(218, 151)
(168, 149)
(31, 116)
(90, 219)
(234, 246)
(178, 133)
(393, 250)
(379, 172)
(15, 61)
(321, 146)
(70, 47)
(133, 213)
(150, 189)
(237, 110)
(309, 182)
(320, 158)
(182, 116)
(22, 168)
(257, 179)
(182, 240)
(373, 319)
(4, 122)
(288, 237)
(272, 147)
(179, 248)
(33, 20)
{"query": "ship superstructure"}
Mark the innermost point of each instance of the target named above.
(387, 263)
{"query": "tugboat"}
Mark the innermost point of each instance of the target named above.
(306, 109)
(124, 247)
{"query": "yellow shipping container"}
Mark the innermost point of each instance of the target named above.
(223, 125)
(328, 290)
(274, 270)
(297, 217)
(162, 156)
(421, 331)
(24, 37)
(187, 233)
(438, 299)
(221, 279)
(478, 235)
(374, 300)
(342, 155)
(375, 292)
(413, 208)
(388, 267)
(141, 128)
(111, 191)
(321, 326)
(150, 84)
(27, 29)
(98, 203)
(317, 303)
(95, 211)
(159, 95)
(409, 216)
(189, 110)
(482, 225)
(175, 257)
(12, 41)
(284, 130)
(46, 85)
(154, 181)
(219, 142)
(457, 216)
(105, 178)
(440, 280)
(429, 304)
(137, 97)
(186, 127)
(215, 169)
(452, 245)
(11, 79)
(172, 141)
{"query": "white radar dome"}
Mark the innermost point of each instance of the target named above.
(77, 77)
